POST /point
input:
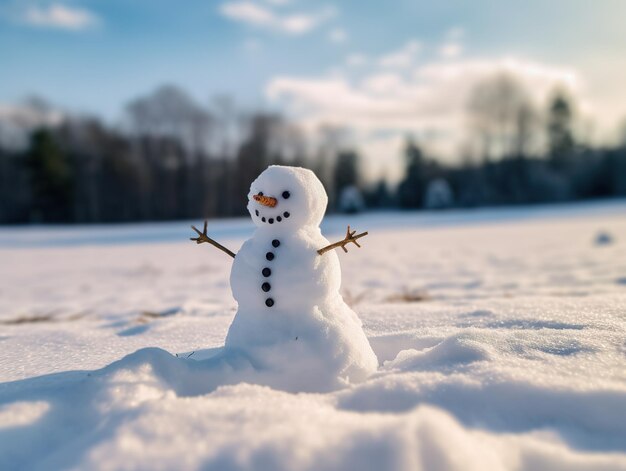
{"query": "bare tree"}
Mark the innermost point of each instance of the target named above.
(170, 112)
(561, 143)
(254, 154)
(330, 141)
(288, 142)
(227, 132)
(502, 117)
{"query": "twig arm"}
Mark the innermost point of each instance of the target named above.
(351, 237)
(203, 237)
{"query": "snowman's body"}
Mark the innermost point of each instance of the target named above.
(288, 295)
(297, 277)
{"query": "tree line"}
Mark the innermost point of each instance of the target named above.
(174, 159)
(517, 154)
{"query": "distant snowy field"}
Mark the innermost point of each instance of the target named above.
(501, 336)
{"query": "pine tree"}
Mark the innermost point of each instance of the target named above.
(346, 171)
(561, 144)
(411, 189)
(51, 179)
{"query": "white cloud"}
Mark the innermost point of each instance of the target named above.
(402, 58)
(356, 59)
(338, 35)
(434, 97)
(455, 34)
(453, 45)
(60, 17)
(451, 49)
(264, 17)
(248, 12)
(380, 108)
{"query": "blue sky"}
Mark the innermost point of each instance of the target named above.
(96, 55)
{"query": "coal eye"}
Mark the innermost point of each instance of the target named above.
(286, 194)
(260, 193)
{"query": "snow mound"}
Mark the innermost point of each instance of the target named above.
(142, 411)
(451, 353)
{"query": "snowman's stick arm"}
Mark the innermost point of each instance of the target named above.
(203, 237)
(351, 237)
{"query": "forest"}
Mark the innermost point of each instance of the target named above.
(173, 158)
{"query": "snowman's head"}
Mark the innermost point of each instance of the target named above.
(287, 197)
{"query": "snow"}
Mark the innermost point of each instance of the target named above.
(501, 336)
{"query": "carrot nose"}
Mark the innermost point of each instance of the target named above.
(265, 200)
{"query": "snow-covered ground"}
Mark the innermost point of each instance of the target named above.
(501, 336)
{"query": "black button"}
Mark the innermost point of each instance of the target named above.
(269, 256)
(266, 287)
(279, 219)
(269, 302)
(286, 194)
(256, 211)
(286, 214)
(266, 272)
(263, 219)
(271, 221)
(275, 242)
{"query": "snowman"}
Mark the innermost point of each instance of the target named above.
(291, 319)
